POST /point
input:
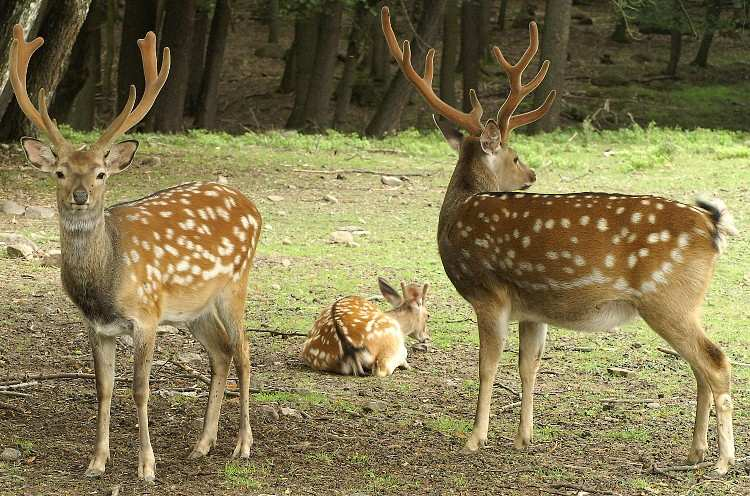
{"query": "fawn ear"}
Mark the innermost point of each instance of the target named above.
(39, 154)
(120, 156)
(452, 135)
(391, 295)
(424, 291)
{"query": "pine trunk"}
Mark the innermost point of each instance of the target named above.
(353, 54)
(380, 57)
(326, 52)
(502, 15)
(713, 15)
(197, 58)
(400, 89)
(177, 35)
(451, 33)
(555, 35)
(139, 18)
(273, 21)
(306, 39)
(208, 100)
(60, 29)
(471, 52)
(483, 20)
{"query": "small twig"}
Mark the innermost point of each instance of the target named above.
(509, 406)
(739, 364)
(689, 19)
(13, 408)
(425, 45)
(509, 389)
(566, 485)
(20, 385)
(279, 333)
(48, 377)
(667, 351)
(204, 379)
(14, 393)
(629, 400)
(363, 171)
(690, 468)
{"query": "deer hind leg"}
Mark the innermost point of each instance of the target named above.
(103, 348)
(531, 338)
(209, 330)
(709, 363)
(492, 320)
(144, 337)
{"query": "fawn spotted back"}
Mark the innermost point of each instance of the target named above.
(354, 335)
(585, 261)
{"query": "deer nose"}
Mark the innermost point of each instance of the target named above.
(80, 196)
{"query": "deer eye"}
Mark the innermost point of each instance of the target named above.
(515, 160)
(101, 176)
(60, 175)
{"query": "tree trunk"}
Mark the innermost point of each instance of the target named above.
(483, 20)
(525, 15)
(471, 53)
(353, 55)
(217, 41)
(503, 15)
(326, 53)
(451, 31)
(306, 39)
(380, 56)
(59, 28)
(713, 14)
(139, 18)
(197, 57)
(555, 35)
(178, 31)
(290, 69)
(675, 48)
(108, 43)
(30, 13)
(273, 21)
(400, 89)
(81, 74)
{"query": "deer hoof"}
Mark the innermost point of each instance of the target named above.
(696, 456)
(473, 445)
(93, 473)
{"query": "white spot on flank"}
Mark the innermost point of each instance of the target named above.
(619, 210)
(648, 287)
(601, 224)
(549, 224)
(609, 260)
(645, 202)
(664, 235)
(643, 252)
(537, 225)
(565, 222)
(632, 260)
(584, 220)
(659, 206)
(682, 240)
(652, 238)
(552, 255)
(621, 284)
(579, 260)
(635, 218)
(651, 219)
(511, 253)
(525, 241)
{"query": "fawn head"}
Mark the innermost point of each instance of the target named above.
(408, 307)
(81, 173)
(485, 153)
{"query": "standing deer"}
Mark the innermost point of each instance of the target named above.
(182, 254)
(354, 335)
(584, 261)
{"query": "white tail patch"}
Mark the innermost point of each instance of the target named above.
(723, 221)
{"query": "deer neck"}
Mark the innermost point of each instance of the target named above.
(404, 319)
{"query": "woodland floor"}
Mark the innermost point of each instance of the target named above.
(626, 79)
(411, 443)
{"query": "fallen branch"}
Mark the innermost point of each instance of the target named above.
(13, 408)
(48, 377)
(580, 489)
(667, 351)
(509, 406)
(363, 171)
(14, 393)
(629, 400)
(690, 468)
(283, 334)
(509, 389)
(204, 379)
(19, 385)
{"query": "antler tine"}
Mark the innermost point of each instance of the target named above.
(154, 79)
(518, 90)
(20, 55)
(470, 121)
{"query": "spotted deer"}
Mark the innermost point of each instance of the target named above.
(584, 261)
(180, 255)
(353, 335)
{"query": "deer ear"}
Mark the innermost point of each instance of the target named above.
(391, 295)
(120, 156)
(490, 140)
(39, 154)
(424, 291)
(452, 135)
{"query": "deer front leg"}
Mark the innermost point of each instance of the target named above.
(493, 329)
(702, 412)
(531, 338)
(103, 349)
(143, 344)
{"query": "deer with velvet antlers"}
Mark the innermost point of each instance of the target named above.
(584, 261)
(180, 255)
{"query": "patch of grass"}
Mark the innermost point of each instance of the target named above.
(320, 457)
(450, 426)
(246, 475)
(548, 433)
(309, 398)
(359, 459)
(459, 481)
(382, 482)
(634, 435)
(25, 446)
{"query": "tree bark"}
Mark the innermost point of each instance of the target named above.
(353, 55)
(273, 21)
(471, 52)
(30, 13)
(713, 15)
(290, 69)
(451, 32)
(525, 14)
(108, 47)
(177, 35)
(139, 18)
(503, 15)
(306, 39)
(321, 81)
(74, 100)
(675, 47)
(400, 89)
(59, 28)
(217, 41)
(555, 35)
(197, 57)
(483, 20)
(380, 57)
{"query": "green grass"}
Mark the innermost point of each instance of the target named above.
(450, 426)
(246, 475)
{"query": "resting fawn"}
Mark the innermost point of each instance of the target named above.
(353, 335)
(180, 255)
(585, 261)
